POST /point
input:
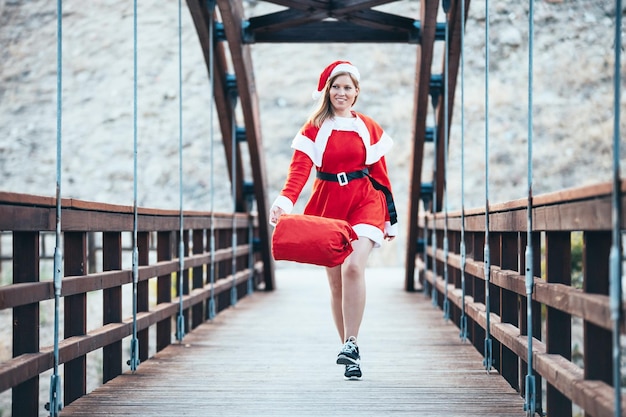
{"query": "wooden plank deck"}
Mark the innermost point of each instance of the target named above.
(273, 355)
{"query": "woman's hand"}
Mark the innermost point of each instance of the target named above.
(275, 213)
(391, 230)
(389, 238)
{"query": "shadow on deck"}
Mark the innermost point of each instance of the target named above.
(273, 355)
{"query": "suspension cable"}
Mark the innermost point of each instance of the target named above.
(446, 135)
(134, 343)
(211, 307)
(55, 404)
(487, 261)
(529, 404)
(616, 255)
(463, 321)
(180, 322)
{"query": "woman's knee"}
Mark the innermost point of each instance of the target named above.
(353, 270)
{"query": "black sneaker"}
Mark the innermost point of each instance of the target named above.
(353, 372)
(349, 354)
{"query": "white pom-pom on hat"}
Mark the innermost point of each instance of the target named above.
(332, 69)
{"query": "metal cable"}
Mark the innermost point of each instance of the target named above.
(529, 402)
(210, 4)
(134, 343)
(55, 404)
(616, 255)
(463, 321)
(180, 322)
(487, 262)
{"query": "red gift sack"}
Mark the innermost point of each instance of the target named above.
(312, 240)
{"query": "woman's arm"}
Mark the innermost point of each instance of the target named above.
(298, 175)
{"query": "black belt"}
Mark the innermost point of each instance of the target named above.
(344, 178)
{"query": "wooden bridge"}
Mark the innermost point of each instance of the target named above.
(214, 326)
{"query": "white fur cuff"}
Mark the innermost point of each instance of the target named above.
(284, 203)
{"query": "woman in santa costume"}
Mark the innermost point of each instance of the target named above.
(347, 149)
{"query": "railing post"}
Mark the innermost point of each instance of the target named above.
(427, 261)
(75, 315)
(509, 306)
(469, 287)
(164, 290)
(143, 294)
(242, 261)
(198, 277)
(495, 255)
(25, 321)
(437, 299)
(223, 241)
(111, 304)
(597, 341)
(455, 274)
(184, 275)
(478, 333)
(558, 324)
(536, 310)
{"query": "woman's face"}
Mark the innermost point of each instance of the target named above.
(342, 94)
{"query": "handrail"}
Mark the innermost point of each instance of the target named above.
(556, 216)
(25, 217)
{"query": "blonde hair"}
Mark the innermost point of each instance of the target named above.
(324, 108)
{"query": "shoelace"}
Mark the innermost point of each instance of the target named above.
(349, 347)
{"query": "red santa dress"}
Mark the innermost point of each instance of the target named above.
(342, 145)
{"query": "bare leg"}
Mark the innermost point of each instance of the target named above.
(347, 290)
(334, 280)
(353, 280)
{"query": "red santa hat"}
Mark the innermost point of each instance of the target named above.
(332, 69)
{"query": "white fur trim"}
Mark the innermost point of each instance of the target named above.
(391, 229)
(303, 144)
(346, 68)
(379, 149)
(314, 150)
(364, 133)
(372, 233)
(284, 203)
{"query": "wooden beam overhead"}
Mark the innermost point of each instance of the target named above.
(349, 21)
(301, 4)
(331, 6)
(329, 31)
(284, 19)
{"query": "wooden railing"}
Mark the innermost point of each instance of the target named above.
(23, 219)
(561, 310)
